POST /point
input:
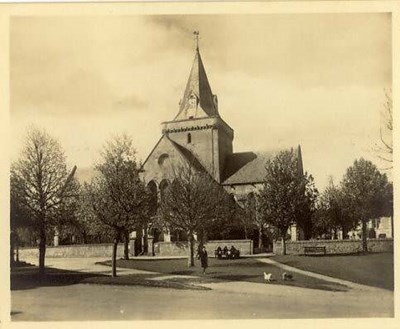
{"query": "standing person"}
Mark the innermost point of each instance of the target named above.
(203, 259)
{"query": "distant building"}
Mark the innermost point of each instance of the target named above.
(199, 136)
(376, 228)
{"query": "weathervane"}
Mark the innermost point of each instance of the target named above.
(196, 33)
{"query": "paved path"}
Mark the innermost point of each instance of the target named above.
(320, 276)
(228, 300)
(225, 300)
(85, 265)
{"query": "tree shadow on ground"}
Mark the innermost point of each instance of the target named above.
(184, 272)
(235, 277)
(28, 277)
(249, 270)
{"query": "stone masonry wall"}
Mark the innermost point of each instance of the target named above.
(334, 246)
(73, 251)
(181, 248)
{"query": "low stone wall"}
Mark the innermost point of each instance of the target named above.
(334, 246)
(72, 251)
(182, 248)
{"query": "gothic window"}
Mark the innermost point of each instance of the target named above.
(163, 186)
(189, 138)
(152, 187)
(251, 204)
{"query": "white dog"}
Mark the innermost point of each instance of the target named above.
(287, 276)
(267, 277)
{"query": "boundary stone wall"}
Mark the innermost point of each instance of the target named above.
(73, 251)
(105, 249)
(334, 246)
(182, 248)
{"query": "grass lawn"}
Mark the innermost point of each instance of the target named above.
(244, 269)
(370, 269)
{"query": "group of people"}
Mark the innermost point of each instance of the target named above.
(232, 252)
(202, 254)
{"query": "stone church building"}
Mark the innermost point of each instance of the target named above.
(200, 136)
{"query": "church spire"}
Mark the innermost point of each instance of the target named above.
(198, 100)
(196, 33)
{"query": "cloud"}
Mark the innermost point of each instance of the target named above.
(130, 102)
(281, 79)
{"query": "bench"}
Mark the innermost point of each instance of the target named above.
(314, 250)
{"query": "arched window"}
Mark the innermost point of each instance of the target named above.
(163, 186)
(251, 204)
(189, 138)
(152, 186)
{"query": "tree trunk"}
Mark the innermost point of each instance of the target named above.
(391, 225)
(138, 241)
(364, 236)
(260, 241)
(12, 249)
(283, 245)
(114, 255)
(191, 250)
(245, 233)
(85, 238)
(126, 245)
(344, 233)
(42, 250)
(17, 252)
(146, 240)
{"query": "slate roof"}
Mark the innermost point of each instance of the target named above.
(248, 167)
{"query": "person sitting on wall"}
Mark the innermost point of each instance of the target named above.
(218, 252)
(225, 250)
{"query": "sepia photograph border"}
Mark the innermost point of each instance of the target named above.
(181, 8)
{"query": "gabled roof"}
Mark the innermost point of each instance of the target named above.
(249, 167)
(184, 152)
(155, 146)
(188, 156)
(199, 85)
(246, 168)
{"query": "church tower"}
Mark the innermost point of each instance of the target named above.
(198, 126)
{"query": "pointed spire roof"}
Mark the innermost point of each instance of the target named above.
(198, 86)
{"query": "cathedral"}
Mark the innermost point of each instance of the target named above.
(198, 135)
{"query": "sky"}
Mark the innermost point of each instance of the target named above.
(317, 80)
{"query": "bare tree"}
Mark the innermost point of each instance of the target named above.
(192, 202)
(19, 218)
(42, 184)
(118, 195)
(384, 149)
(253, 218)
(86, 224)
